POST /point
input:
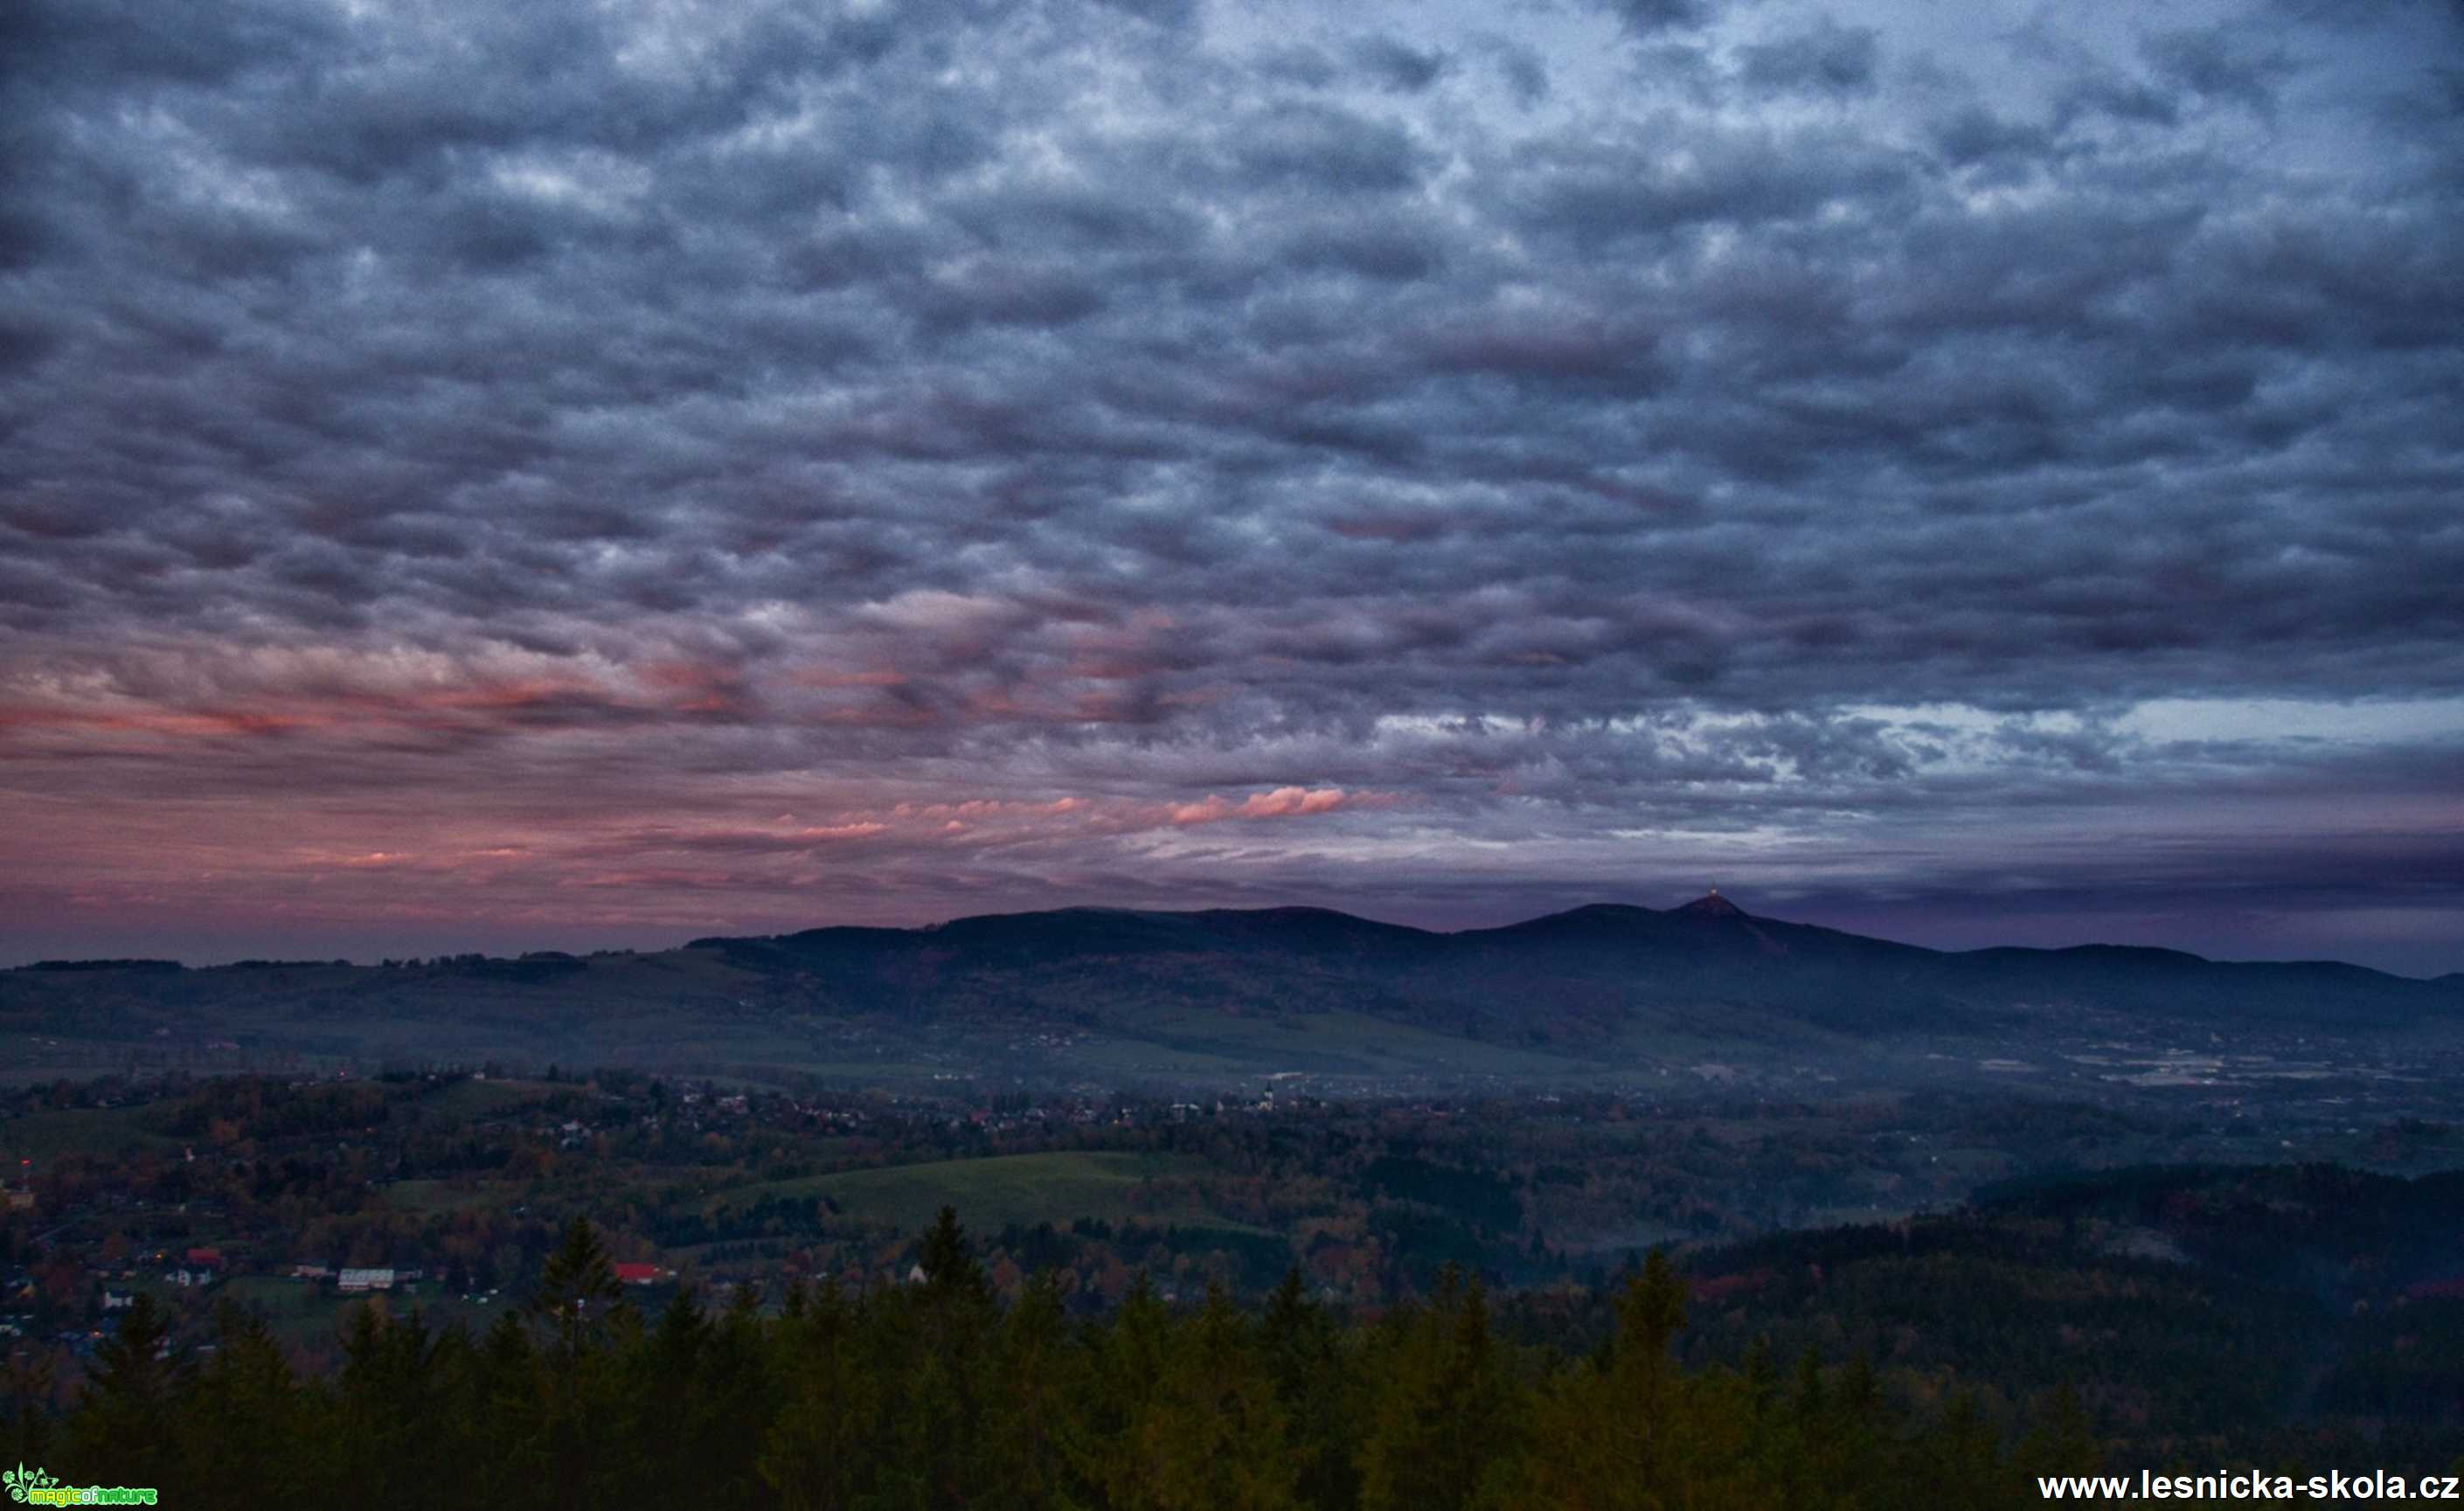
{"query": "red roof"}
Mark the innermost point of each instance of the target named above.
(637, 1273)
(205, 1256)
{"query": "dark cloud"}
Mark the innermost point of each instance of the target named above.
(1829, 59)
(1644, 17)
(1395, 66)
(1525, 72)
(1149, 453)
(2230, 63)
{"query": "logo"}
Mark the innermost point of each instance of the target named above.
(34, 1485)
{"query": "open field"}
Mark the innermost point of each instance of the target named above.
(469, 1100)
(316, 1317)
(990, 1194)
(79, 1130)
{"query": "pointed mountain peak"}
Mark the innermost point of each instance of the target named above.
(1712, 905)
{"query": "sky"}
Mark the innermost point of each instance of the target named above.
(593, 473)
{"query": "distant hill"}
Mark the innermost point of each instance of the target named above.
(2218, 1313)
(1219, 994)
(1573, 975)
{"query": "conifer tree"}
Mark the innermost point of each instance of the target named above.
(32, 1375)
(669, 1392)
(937, 1441)
(951, 1270)
(118, 1434)
(1039, 1379)
(510, 1387)
(1762, 1375)
(2061, 1441)
(1210, 1438)
(735, 1398)
(237, 1425)
(817, 1452)
(387, 1412)
(1441, 1414)
(1961, 1457)
(1129, 1355)
(578, 1292)
(1301, 1347)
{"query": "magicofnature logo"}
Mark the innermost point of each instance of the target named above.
(34, 1485)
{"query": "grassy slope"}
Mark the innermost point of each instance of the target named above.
(990, 1194)
(77, 1130)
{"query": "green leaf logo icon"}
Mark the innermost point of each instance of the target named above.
(22, 1481)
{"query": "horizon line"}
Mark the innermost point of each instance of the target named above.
(1713, 895)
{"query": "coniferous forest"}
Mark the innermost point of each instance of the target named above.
(442, 1290)
(935, 1393)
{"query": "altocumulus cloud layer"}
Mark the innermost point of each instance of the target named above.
(583, 473)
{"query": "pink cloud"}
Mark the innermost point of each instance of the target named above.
(1283, 803)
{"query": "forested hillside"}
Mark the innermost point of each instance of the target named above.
(1109, 996)
(934, 1393)
(309, 1285)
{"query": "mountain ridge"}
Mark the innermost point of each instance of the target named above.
(1586, 913)
(1712, 905)
(1597, 989)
